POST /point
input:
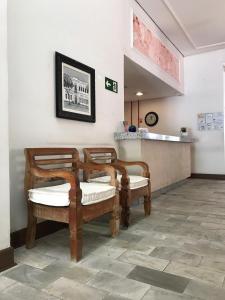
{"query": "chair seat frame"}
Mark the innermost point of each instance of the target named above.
(127, 195)
(75, 214)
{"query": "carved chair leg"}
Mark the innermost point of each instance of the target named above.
(125, 213)
(75, 228)
(31, 227)
(115, 218)
(75, 243)
(148, 201)
(147, 205)
(125, 216)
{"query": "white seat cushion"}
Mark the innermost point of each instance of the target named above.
(59, 195)
(135, 181)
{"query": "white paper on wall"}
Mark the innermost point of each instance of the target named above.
(210, 121)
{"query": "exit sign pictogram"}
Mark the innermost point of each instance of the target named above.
(111, 85)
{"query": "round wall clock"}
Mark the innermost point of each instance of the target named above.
(151, 118)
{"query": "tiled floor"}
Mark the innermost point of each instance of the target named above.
(176, 253)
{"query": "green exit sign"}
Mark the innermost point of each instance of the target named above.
(111, 85)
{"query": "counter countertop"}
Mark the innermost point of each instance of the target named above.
(151, 136)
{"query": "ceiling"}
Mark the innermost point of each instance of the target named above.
(138, 79)
(193, 26)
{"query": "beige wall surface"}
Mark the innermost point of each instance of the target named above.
(4, 148)
(204, 80)
(169, 162)
(87, 31)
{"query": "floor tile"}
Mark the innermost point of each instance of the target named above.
(159, 279)
(68, 289)
(106, 264)
(217, 264)
(213, 226)
(33, 258)
(59, 267)
(8, 297)
(70, 270)
(137, 258)
(173, 254)
(197, 273)
(31, 276)
(151, 235)
(57, 252)
(5, 282)
(204, 291)
(204, 248)
(112, 252)
(22, 292)
(160, 294)
(117, 285)
(126, 236)
(80, 274)
(142, 246)
(115, 297)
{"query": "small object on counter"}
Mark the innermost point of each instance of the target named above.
(143, 130)
(121, 127)
(132, 128)
(184, 131)
(126, 126)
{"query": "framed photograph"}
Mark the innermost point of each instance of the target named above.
(75, 90)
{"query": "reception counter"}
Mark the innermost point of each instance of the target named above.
(168, 157)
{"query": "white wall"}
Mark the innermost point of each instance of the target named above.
(4, 147)
(203, 93)
(88, 31)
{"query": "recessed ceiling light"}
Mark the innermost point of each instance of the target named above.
(139, 94)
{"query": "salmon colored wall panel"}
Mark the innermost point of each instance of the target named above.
(148, 44)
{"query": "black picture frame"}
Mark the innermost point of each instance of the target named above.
(75, 89)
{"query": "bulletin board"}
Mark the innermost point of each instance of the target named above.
(210, 121)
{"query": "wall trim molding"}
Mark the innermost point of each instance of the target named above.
(168, 188)
(44, 228)
(208, 176)
(6, 258)
(179, 23)
(185, 30)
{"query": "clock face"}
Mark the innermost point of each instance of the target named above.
(151, 119)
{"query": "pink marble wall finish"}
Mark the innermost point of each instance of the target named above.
(149, 45)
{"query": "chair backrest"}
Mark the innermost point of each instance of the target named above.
(98, 155)
(49, 159)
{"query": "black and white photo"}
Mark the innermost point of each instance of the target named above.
(75, 90)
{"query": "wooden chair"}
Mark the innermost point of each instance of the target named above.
(131, 187)
(71, 202)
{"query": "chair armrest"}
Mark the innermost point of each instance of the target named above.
(125, 180)
(100, 167)
(66, 175)
(141, 164)
(120, 168)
